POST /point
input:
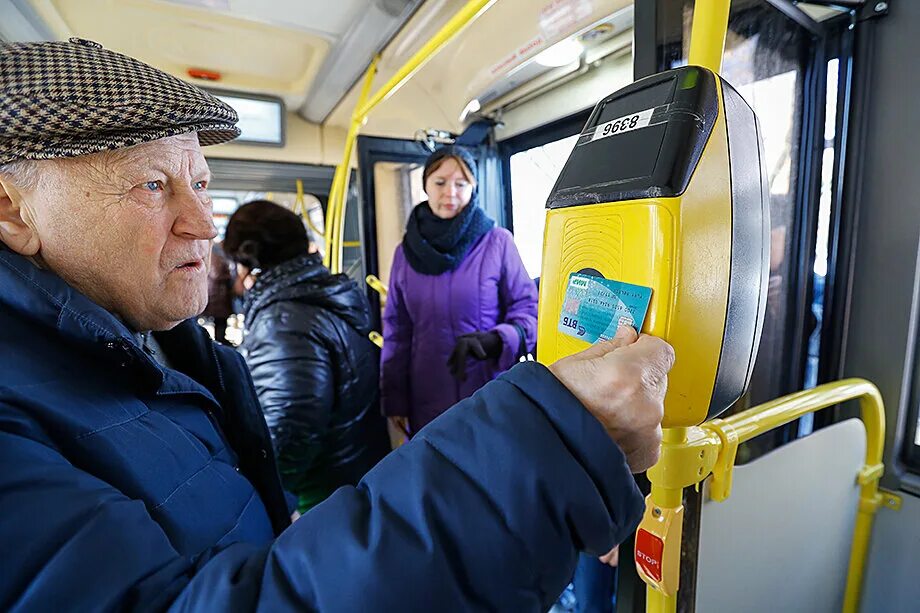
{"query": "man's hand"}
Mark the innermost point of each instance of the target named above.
(622, 383)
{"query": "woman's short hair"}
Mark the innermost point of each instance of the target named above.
(262, 234)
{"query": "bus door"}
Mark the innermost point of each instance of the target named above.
(390, 179)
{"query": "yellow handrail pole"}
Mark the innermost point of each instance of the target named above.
(707, 38)
(341, 191)
(707, 41)
(665, 496)
(335, 214)
(337, 196)
(463, 17)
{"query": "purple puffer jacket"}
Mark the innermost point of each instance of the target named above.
(425, 314)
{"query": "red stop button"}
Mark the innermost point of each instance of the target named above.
(649, 550)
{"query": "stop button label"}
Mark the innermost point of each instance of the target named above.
(649, 551)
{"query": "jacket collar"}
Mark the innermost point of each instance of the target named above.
(45, 300)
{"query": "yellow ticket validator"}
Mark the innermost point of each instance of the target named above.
(666, 189)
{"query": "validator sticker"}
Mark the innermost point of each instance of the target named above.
(595, 307)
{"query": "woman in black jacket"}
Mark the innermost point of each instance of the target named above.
(306, 343)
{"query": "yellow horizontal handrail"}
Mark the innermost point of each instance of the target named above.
(775, 413)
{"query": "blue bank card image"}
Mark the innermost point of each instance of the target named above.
(595, 307)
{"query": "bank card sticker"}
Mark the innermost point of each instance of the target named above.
(594, 307)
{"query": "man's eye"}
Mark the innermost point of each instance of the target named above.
(201, 185)
(153, 186)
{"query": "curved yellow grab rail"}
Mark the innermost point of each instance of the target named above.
(751, 423)
(337, 201)
(335, 210)
(690, 455)
(376, 285)
(300, 208)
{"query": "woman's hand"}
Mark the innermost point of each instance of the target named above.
(401, 423)
(477, 345)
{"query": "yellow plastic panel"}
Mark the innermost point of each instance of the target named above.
(593, 237)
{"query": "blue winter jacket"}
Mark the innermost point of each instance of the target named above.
(128, 486)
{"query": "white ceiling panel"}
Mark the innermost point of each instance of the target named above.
(330, 18)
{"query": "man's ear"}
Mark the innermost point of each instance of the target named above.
(16, 231)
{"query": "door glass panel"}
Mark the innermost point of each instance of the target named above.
(397, 189)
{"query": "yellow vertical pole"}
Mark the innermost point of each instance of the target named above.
(335, 211)
(869, 499)
(665, 498)
(337, 195)
(707, 39)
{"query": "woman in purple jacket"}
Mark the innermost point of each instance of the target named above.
(461, 308)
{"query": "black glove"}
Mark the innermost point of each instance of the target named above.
(477, 345)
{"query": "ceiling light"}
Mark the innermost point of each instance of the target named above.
(472, 107)
(561, 54)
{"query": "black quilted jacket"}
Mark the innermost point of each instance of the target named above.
(316, 374)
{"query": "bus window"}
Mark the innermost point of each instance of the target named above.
(533, 174)
(806, 424)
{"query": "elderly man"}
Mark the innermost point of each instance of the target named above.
(135, 467)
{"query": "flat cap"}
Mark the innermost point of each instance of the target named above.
(64, 99)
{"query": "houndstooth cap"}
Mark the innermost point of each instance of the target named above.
(64, 99)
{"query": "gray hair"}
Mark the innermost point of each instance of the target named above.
(23, 173)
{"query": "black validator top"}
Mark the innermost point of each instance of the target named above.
(644, 141)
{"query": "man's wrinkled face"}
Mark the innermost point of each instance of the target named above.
(131, 228)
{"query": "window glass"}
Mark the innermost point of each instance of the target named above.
(533, 174)
(260, 120)
(806, 424)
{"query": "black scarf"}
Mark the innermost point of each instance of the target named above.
(434, 246)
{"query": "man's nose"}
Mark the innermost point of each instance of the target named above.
(194, 219)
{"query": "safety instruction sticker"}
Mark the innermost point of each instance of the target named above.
(595, 307)
(627, 123)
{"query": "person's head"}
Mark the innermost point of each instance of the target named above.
(113, 197)
(449, 179)
(262, 234)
